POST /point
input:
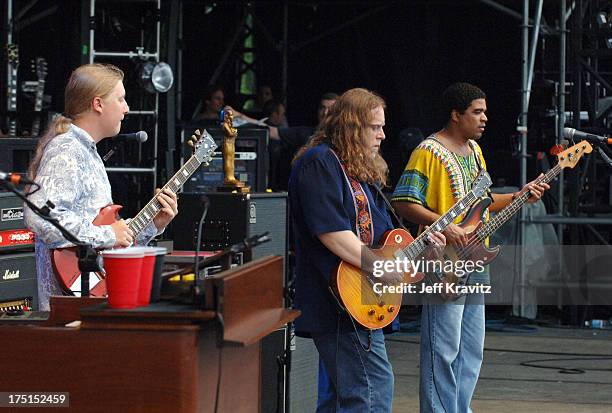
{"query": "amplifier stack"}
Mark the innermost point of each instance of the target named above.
(18, 284)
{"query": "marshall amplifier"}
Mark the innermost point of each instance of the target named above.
(18, 279)
(251, 162)
(13, 232)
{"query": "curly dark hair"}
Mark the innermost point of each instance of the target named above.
(459, 96)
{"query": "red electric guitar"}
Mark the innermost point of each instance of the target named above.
(65, 261)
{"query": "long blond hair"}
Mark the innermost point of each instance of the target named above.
(85, 83)
(344, 130)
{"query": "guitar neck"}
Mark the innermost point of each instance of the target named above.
(146, 215)
(416, 248)
(509, 211)
(40, 92)
(12, 89)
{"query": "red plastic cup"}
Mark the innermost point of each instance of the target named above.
(160, 253)
(123, 268)
(146, 275)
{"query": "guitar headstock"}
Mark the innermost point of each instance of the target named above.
(39, 66)
(203, 146)
(12, 54)
(481, 183)
(570, 157)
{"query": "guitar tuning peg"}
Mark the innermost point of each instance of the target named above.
(197, 132)
(190, 143)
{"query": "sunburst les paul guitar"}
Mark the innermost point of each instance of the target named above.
(65, 261)
(477, 232)
(355, 289)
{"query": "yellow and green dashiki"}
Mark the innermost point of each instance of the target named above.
(437, 178)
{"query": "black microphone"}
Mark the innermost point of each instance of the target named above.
(140, 136)
(14, 178)
(571, 133)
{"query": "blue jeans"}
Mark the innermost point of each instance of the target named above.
(361, 381)
(452, 343)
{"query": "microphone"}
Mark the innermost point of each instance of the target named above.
(14, 178)
(571, 133)
(140, 136)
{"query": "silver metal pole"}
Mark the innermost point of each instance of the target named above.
(561, 106)
(92, 14)
(9, 19)
(534, 47)
(523, 154)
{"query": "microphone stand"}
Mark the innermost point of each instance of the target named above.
(198, 284)
(89, 260)
(605, 152)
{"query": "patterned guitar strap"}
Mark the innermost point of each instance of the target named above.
(363, 214)
(364, 228)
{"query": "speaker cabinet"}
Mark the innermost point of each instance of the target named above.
(18, 278)
(230, 219)
(289, 379)
(274, 372)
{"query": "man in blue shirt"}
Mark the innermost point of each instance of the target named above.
(337, 211)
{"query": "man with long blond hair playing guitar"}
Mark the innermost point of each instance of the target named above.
(70, 173)
(337, 212)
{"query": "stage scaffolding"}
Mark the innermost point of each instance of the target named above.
(584, 63)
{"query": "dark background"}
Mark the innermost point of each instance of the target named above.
(406, 51)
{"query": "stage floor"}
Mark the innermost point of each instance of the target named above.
(505, 386)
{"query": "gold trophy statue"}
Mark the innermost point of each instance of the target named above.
(230, 183)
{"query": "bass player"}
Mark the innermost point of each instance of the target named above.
(439, 172)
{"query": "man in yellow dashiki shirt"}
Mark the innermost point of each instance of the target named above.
(439, 173)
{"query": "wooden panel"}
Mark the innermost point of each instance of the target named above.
(127, 371)
(250, 300)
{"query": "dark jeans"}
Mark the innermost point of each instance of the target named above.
(361, 381)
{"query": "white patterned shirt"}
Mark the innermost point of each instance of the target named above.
(72, 176)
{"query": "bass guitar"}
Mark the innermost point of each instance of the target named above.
(356, 290)
(65, 261)
(478, 232)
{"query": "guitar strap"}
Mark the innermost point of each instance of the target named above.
(363, 214)
(364, 228)
(479, 164)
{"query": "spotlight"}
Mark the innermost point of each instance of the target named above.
(156, 77)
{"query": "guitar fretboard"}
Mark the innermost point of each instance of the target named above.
(146, 215)
(40, 93)
(416, 248)
(508, 212)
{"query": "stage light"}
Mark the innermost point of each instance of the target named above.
(156, 77)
